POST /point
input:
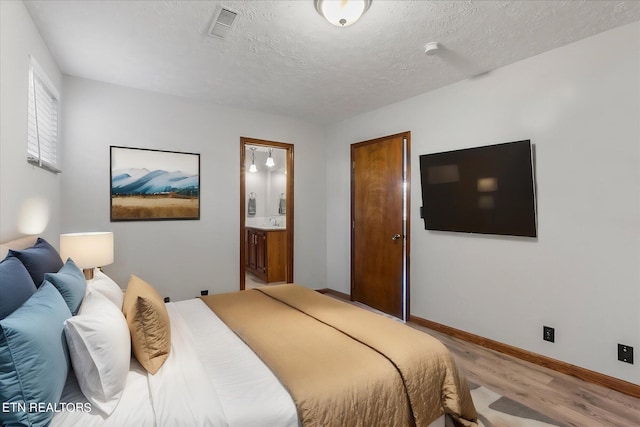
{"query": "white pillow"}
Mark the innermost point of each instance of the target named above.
(107, 287)
(100, 350)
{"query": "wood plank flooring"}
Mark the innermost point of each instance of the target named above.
(559, 396)
(562, 397)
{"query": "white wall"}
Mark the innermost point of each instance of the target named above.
(182, 257)
(30, 195)
(580, 106)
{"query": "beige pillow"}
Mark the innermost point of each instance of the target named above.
(148, 322)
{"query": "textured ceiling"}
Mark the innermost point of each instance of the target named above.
(282, 57)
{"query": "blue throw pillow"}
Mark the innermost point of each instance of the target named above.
(34, 360)
(39, 259)
(16, 286)
(71, 284)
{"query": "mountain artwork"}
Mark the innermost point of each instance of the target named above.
(142, 181)
(154, 191)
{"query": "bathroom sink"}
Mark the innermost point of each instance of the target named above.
(269, 227)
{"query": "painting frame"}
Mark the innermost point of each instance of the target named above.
(153, 185)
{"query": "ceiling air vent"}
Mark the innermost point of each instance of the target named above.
(222, 22)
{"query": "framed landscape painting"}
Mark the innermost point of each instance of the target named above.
(154, 185)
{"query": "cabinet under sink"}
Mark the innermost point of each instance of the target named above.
(266, 253)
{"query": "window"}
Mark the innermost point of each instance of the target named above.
(42, 131)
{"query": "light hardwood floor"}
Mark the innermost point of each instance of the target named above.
(559, 396)
(562, 397)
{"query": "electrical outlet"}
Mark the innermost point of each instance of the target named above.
(625, 353)
(167, 299)
(548, 334)
(205, 292)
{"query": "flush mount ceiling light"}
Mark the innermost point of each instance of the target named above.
(270, 163)
(342, 13)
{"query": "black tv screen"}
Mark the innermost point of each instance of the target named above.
(487, 190)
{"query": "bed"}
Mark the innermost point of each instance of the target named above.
(279, 356)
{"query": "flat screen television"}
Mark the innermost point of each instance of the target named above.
(488, 190)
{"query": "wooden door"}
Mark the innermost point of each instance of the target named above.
(379, 259)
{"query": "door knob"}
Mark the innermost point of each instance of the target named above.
(396, 237)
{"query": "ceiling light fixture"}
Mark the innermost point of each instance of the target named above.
(253, 167)
(342, 13)
(270, 163)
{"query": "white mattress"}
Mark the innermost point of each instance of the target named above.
(237, 389)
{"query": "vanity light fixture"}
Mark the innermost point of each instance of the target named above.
(342, 13)
(270, 163)
(253, 167)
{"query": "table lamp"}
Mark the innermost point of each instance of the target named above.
(87, 250)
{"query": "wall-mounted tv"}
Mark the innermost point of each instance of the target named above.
(488, 190)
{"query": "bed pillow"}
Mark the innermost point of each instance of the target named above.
(34, 360)
(100, 350)
(16, 285)
(39, 259)
(148, 322)
(107, 287)
(71, 284)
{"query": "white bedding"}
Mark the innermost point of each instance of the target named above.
(237, 389)
(249, 392)
(180, 393)
(134, 408)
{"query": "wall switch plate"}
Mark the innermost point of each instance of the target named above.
(625, 353)
(205, 292)
(548, 334)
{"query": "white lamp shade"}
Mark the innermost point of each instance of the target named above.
(87, 250)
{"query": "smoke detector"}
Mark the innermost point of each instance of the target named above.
(223, 20)
(431, 48)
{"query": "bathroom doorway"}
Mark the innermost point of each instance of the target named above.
(266, 212)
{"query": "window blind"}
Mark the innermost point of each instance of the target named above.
(42, 126)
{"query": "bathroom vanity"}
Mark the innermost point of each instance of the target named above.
(266, 255)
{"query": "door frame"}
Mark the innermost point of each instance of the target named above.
(289, 202)
(407, 212)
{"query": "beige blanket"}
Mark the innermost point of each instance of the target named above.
(345, 366)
